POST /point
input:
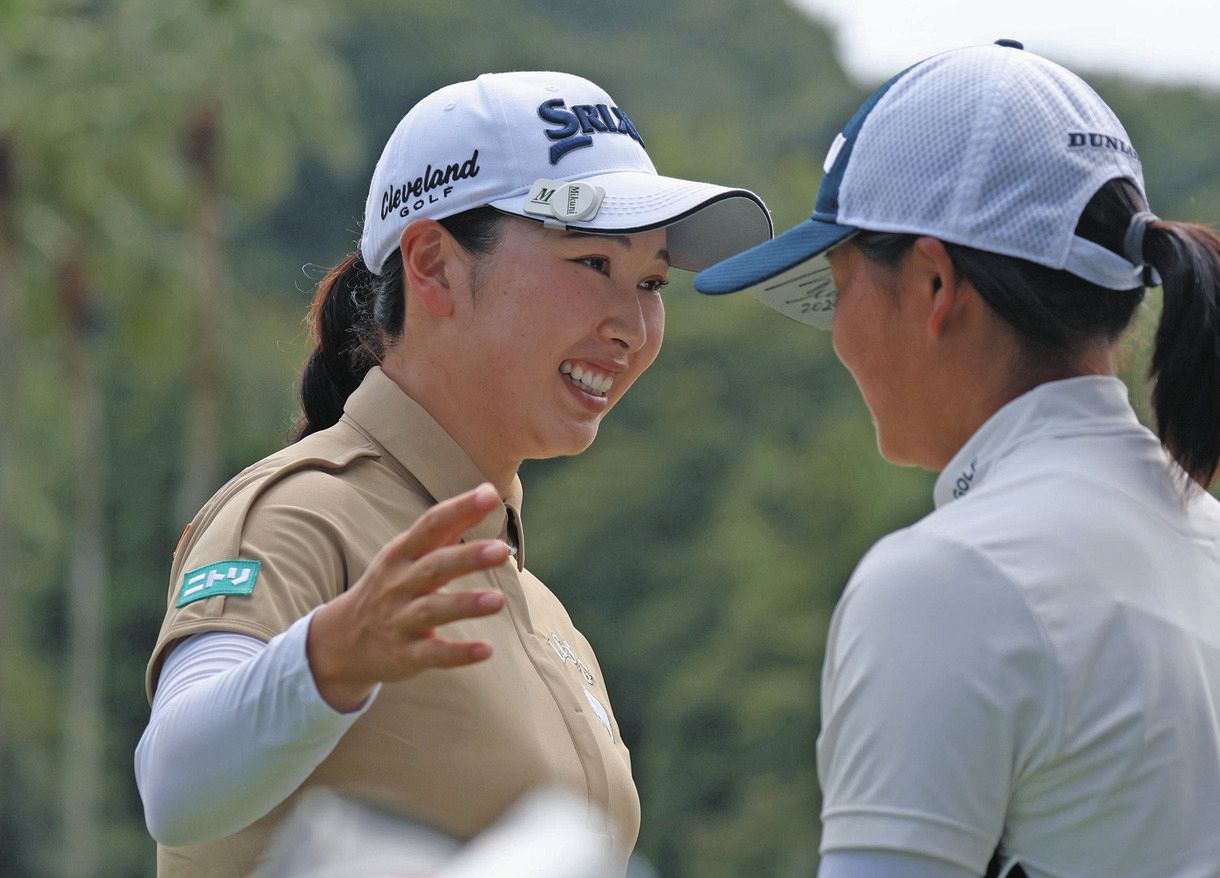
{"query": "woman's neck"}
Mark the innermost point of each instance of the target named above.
(978, 398)
(482, 446)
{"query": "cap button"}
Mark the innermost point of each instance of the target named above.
(1010, 44)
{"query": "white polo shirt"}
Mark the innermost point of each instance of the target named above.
(1036, 664)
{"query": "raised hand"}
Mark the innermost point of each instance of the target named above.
(382, 629)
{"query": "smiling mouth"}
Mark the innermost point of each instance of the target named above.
(591, 380)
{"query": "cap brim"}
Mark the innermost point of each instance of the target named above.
(789, 273)
(706, 222)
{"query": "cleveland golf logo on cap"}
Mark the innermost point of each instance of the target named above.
(588, 119)
(418, 193)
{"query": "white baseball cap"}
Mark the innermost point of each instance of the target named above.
(550, 147)
(990, 147)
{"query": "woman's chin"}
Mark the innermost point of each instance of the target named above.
(571, 443)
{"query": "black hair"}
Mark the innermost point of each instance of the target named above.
(356, 315)
(1054, 312)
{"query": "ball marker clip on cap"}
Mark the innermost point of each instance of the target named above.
(553, 148)
(561, 203)
(989, 147)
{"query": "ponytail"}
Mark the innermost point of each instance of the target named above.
(1186, 358)
(356, 315)
(340, 359)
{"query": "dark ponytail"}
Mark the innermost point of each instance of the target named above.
(345, 348)
(1054, 312)
(356, 315)
(1186, 358)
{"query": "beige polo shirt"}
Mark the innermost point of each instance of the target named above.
(451, 748)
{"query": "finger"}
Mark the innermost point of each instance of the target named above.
(437, 653)
(431, 611)
(440, 566)
(445, 522)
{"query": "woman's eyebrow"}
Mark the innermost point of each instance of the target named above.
(625, 240)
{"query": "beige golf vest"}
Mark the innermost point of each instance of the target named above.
(450, 748)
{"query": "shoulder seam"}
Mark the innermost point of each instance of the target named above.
(257, 480)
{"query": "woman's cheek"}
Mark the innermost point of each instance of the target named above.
(641, 360)
(655, 321)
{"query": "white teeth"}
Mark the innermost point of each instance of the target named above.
(593, 381)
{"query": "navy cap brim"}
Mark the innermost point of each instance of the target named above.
(763, 262)
(788, 273)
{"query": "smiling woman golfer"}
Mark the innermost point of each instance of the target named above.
(505, 296)
(1030, 676)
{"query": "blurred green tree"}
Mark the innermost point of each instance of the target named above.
(98, 99)
(166, 167)
(38, 130)
(237, 88)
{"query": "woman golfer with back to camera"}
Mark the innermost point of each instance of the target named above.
(1026, 681)
(504, 297)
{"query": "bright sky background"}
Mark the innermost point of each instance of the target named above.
(1168, 40)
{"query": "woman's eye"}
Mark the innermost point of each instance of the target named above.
(597, 263)
(655, 285)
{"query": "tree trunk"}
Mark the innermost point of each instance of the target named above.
(201, 448)
(83, 720)
(9, 313)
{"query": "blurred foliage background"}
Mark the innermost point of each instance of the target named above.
(174, 178)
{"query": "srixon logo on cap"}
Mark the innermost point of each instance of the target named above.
(580, 122)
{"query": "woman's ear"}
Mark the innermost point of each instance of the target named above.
(428, 262)
(939, 283)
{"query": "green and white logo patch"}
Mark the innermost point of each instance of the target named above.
(223, 577)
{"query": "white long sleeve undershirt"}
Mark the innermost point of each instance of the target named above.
(886, 864)
(236, 726)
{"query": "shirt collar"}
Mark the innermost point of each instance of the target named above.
(1073, 406)
(412, 437)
